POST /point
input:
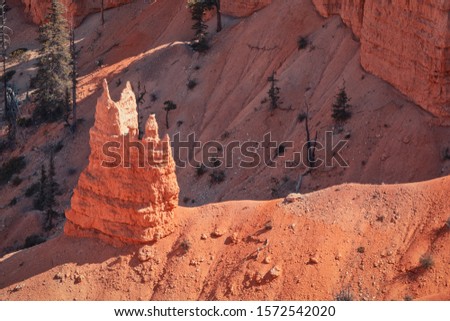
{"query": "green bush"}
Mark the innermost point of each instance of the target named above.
(12, 167)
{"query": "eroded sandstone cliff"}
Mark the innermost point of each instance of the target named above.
(405, 42)
(131, 200)
(78, 10)
(243, 8)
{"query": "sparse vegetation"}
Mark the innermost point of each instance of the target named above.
(217, 176)
(46, 198)
(426, 261)
(168, 106)
(200, 170)
(344, 295)
(16, 181)
(17, 53)
(185, 245)
(274, 92)
(13, 202)
(32, 190)
(25, 122)
(33, 240)
(301, 117)
(408, 298)
(191, 84)
(12, 167)
(302, 43)
(341, 106)
(361, 249)
(447, 223)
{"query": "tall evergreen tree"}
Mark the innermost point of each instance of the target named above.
(341, 106)
(54, 70)
(200, 42)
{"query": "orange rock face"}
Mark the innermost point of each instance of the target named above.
(243, 8)
(405, 42)
(37, 10)
(132, 200)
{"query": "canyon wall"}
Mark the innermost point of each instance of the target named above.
(133, 199)
(242, 8)
(405, 42)
(78, 10)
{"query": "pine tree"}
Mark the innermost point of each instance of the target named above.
(341, 106)
(54, 70)
(200, 42)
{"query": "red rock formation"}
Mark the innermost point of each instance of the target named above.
(243, 8)
(132, 201)
(405, 42)
(37, 10)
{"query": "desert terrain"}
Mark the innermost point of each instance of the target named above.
(368, 229)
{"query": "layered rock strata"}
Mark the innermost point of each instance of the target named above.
(129, 190)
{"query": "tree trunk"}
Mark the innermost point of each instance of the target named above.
(219, 16)
(103, 12)
(167, 119)
(74, 80)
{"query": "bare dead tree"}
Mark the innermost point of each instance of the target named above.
(140, 101)
(311, 150)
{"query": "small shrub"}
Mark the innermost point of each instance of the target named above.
(302, 43)
(281, 150)
(153, 97)
(33, 240)
(33, 189)
(344, 295)
(58, 147)
(408, 298)
(18, 53)
(192, 83)
(447, 223)
(25, 122)
(302, 117)
(14, 166)
(446, 154)
(13, 202)
(185, 245)
(197, 67)
(71, 171)
(217, 177)
(426, 261)
(186, 200)
(16, 181)
(361, 249)
(201, 170)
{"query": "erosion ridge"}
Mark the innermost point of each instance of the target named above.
(405, 42)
